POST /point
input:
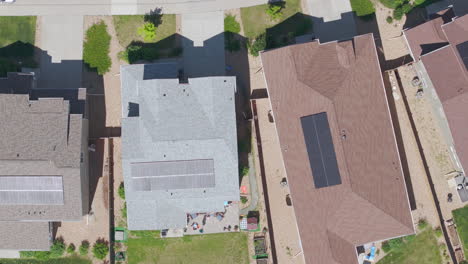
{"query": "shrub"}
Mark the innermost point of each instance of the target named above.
(398, 13)
(386, 247)
(274, 10)
(244, 170)
(422, 224)
(389, 19)
(121, 191)
(231, 24)
(244, 199)
(303, 27)
(57, 249)
(362, 7)
(147, 31)
(84, 248)
(258, 45)
(395, 243)
(124, 211)
(71, 248)
(100, 249)
(231, 43)
(96, 48)
(438, 232)
(406, 8)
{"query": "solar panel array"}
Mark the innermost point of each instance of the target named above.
(321, 151)
(31, 190)
(168, 175)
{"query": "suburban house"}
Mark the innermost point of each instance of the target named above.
(338, 146)
(439, 48)
(179, 145)
(43, 162)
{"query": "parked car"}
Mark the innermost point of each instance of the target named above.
(7, 1)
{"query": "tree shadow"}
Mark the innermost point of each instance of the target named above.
(154, 16)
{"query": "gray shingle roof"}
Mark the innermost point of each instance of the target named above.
(25, 235)
(177, 122)
(41, 138)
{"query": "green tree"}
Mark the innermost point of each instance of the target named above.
(100, 249)
(362, 7)
(96, 48)
(231, 24)
(147, 31)
(398, 13)
(258, 45)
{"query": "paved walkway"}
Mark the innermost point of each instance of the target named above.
(61, 45)
(119, 7)
(203, 43)
(333, 19)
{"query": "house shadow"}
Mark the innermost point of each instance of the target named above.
(61, 80)
(335, 30)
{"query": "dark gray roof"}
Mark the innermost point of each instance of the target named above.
(191, 126)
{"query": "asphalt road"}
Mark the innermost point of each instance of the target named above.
(333, 19)
(119, 7)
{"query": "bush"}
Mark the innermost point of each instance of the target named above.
(438, 232)
(386, 247)
(244, 170)
(258, 45)
(124, 211)
(274, 10)
(231, 43)
(231, 24)
(244, 199)
(389, 19)
(96, 48)
(84, 248)
(398, 13)
(303, 27)
(121, 191)
(395, 243)
(362, 7)
(406, 8)
(71, 248)
(147, 31)
(422, 224)
(100, 249)
(57, 249)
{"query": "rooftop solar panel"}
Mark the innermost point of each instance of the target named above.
(320, 149)
(167, 175)
(31, 190)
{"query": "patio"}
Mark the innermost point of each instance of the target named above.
(208, 223)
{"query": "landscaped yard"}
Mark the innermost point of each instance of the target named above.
(164, 43)
(422, 248)
(68, 260)
(461, 220)
(19, 31)
(227, 248)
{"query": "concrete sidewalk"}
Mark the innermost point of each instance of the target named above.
(119, 7)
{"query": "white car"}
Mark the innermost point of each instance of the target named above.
(7, 1)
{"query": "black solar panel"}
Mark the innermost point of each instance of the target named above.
(320, 149)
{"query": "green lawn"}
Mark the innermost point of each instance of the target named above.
(127, 26)
(255, 20)
(363, 7)
(68, 260)
(14, 29)
(422, 248)
(461, 220)
(227, 248)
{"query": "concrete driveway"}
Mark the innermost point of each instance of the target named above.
(203, 43)
(333, 19)
(61, 44)
(119, 7)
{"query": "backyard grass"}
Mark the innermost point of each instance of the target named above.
(255, 19)
(127, 28)
(461, 220)
(422, 248)
(17, 35)
(227, 248)
(14, 29)
(68, 260)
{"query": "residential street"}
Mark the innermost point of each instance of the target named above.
(119, 7)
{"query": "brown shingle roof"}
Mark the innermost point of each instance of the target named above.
(447, 68)
(344, 80)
